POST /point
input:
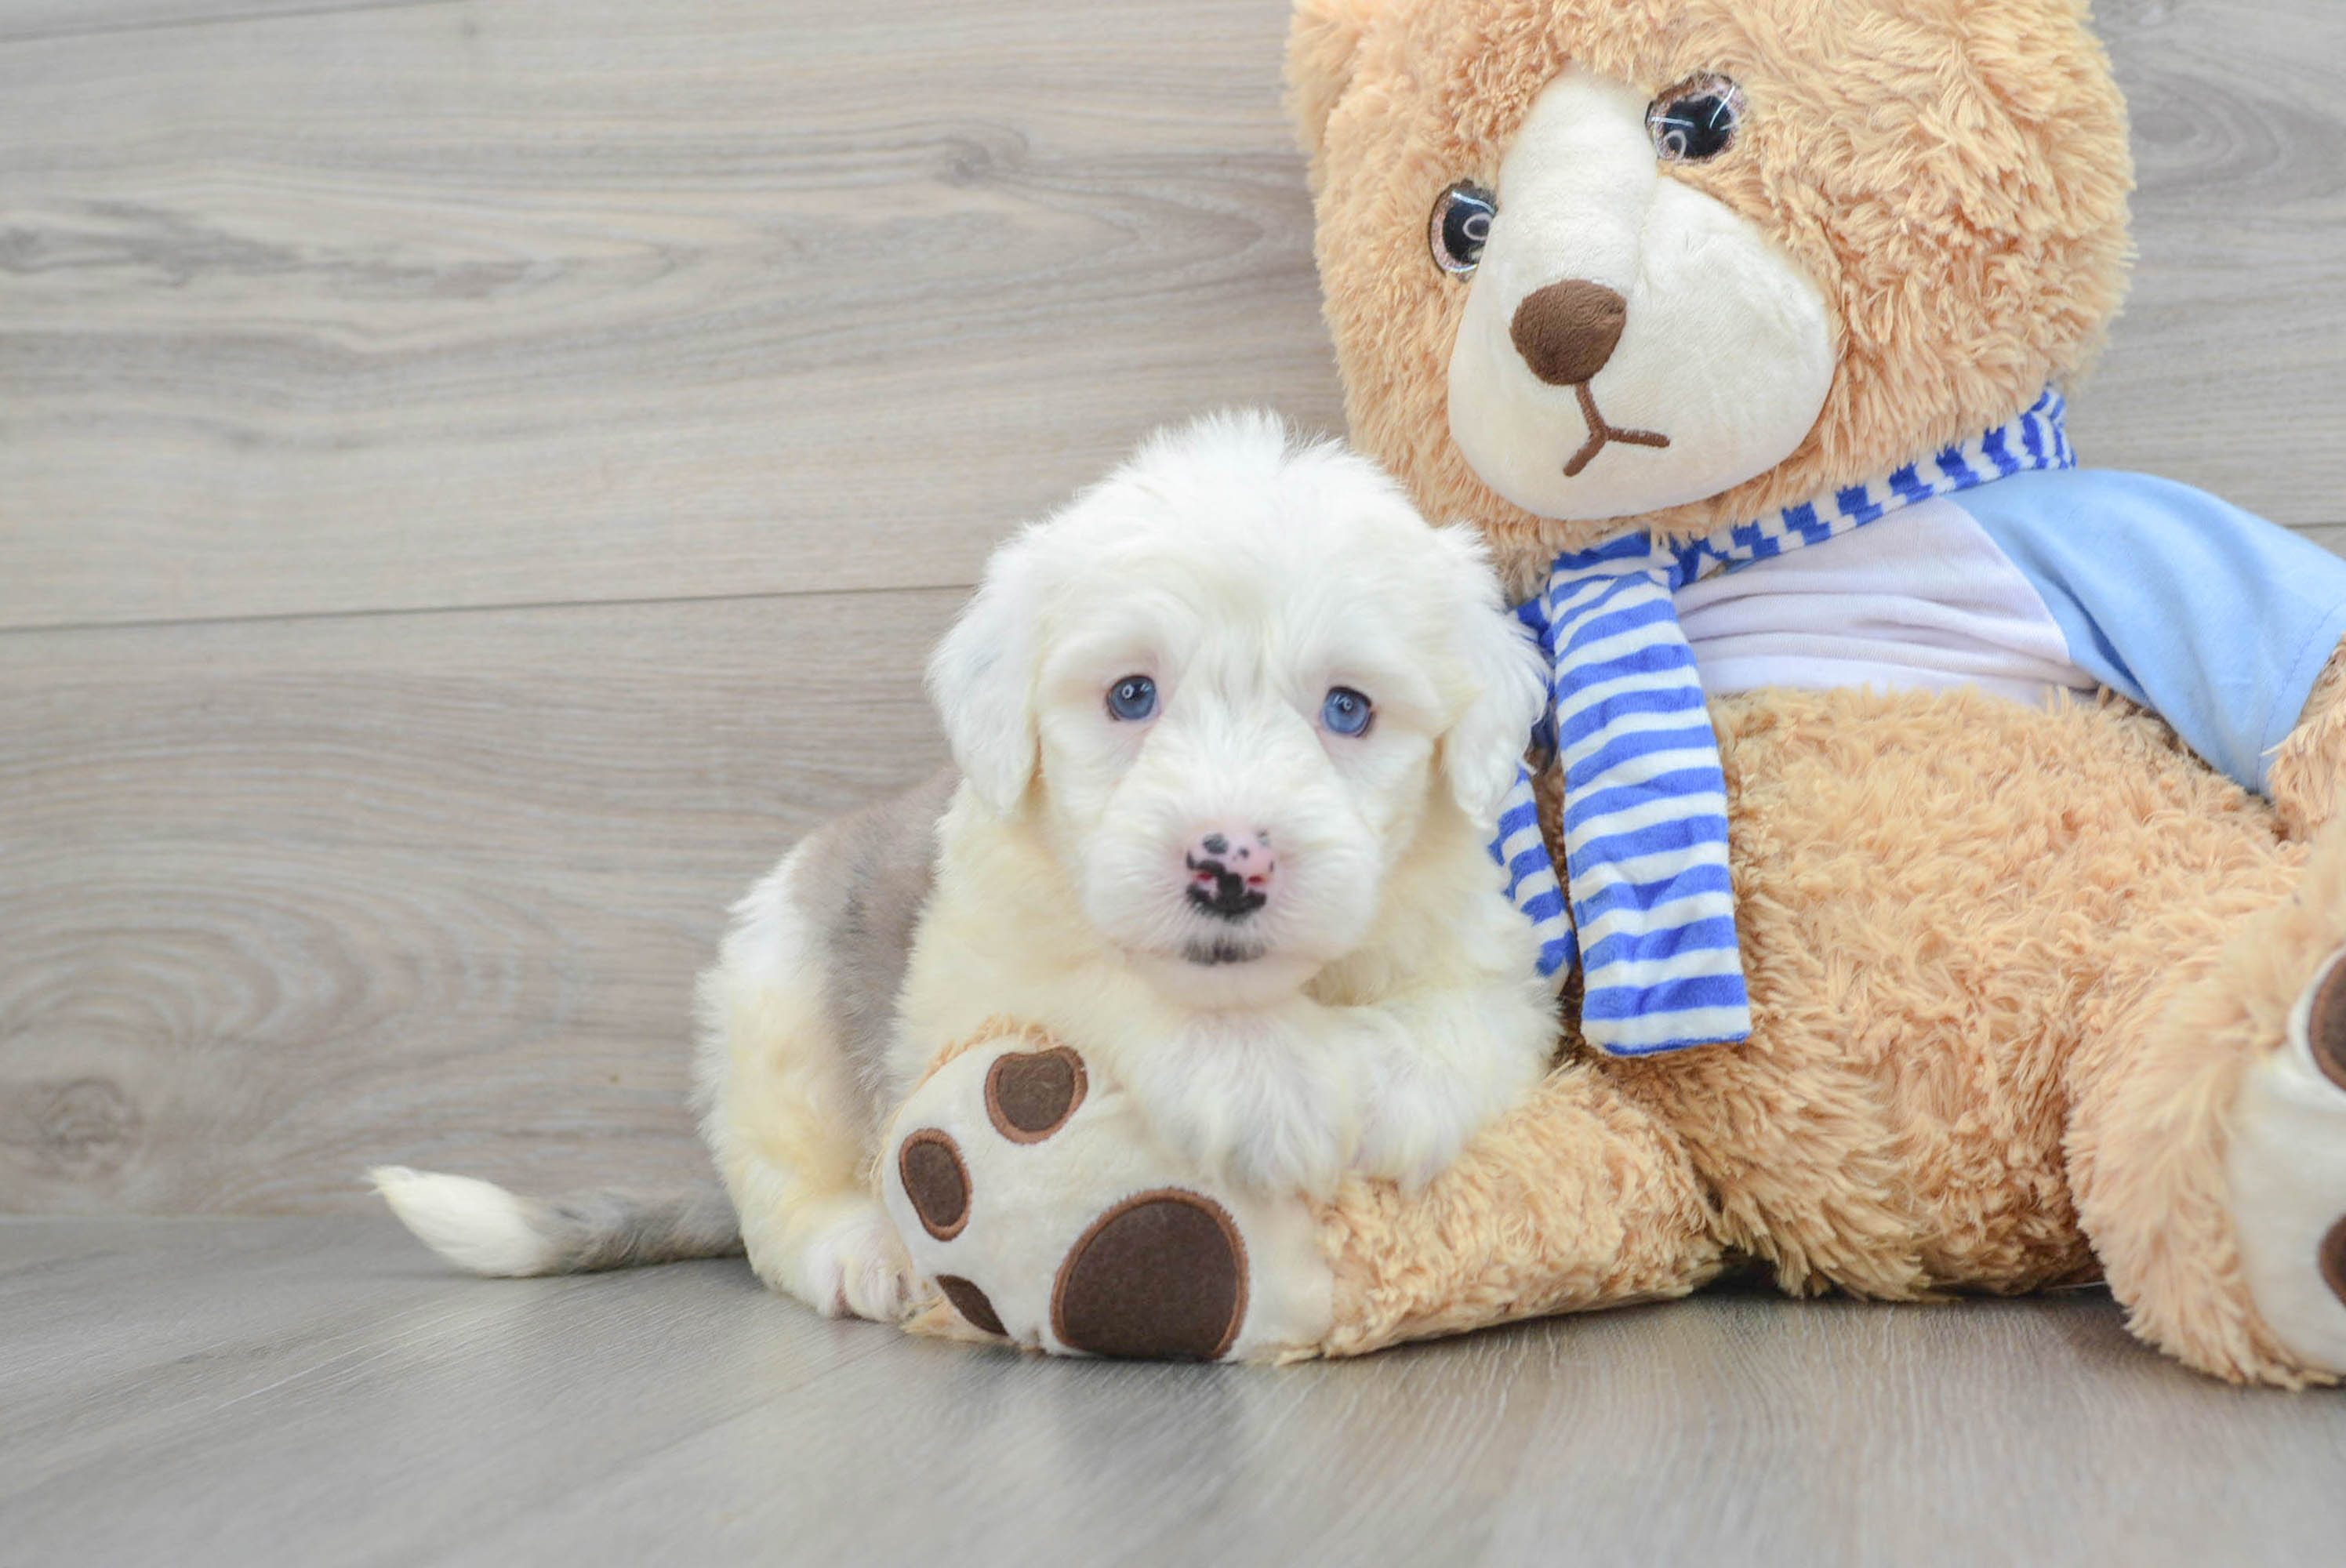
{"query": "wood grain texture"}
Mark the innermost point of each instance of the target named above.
(280, 900)
(2224, 371)
(563, 299)
(23, 21)
(523, 301)
(319, 1391)
(723, 331)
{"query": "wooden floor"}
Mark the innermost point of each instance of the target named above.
(319, 1392)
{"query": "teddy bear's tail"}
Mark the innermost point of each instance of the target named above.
(480, 1227)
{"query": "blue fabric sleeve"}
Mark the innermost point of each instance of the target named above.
(2216, 620)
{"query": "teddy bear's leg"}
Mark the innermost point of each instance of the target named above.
(2207, 1142)
(1031, 1193)
(2286, 1165)
(1577, 1198)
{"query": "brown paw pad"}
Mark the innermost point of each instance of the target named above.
(970, 1302)
(1162, 1275)
(1030, 1095)
(2325, 1023)
(935, 1181)
(2333, 1259)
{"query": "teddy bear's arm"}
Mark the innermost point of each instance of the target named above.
(2309, 767)
(1579, 1198)
(2219, 621)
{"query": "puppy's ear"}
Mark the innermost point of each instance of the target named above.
(982, 678)
(1506, 683)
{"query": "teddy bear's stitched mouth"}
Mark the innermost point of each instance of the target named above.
(1602, 435)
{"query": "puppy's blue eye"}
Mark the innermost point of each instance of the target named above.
(1346, 711)
(1133, 699)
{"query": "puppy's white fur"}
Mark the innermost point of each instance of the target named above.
(1379, 1008)
(475, 1225)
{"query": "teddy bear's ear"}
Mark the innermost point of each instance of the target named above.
(1322, 43)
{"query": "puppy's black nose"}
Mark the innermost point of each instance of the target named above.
(1230, 872)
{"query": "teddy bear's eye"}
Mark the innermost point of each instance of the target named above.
(1696, 120)
(1461, 226)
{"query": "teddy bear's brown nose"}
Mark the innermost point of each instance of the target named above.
(1567, 331)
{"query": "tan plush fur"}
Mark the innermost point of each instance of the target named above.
(2307, 766)
(1953, 1028)
(2007, 965)
(2148, 1136)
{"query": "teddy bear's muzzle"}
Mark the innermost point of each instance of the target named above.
(1567, 333)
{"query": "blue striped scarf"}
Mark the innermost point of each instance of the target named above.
(1651, 921)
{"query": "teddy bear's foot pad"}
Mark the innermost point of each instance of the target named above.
(1163, 1273)
(2287, 1164)
(970, 1303)
(2325, 1022)
(1031, 1191)
(2333, 1259)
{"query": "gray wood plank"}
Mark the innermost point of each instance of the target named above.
(283, 899)
(1738, 1429)
(225, 1391)
(2224, 371)
(222, 1391)
(23, 21)
(549, 300)
(555, 299)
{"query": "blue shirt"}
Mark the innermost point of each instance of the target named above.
(2215, 619)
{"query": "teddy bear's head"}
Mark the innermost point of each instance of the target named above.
(1593, 265)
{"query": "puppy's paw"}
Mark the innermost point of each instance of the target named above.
(875, 1279)
(852, 1267)
(1247, 1108)
(1413, 1123)
(1302, 1149)
(1295, 1147)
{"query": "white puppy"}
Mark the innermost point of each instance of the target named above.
(1232, 731)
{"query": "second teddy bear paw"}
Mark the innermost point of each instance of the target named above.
(2287, 1163)
(1031, 1193)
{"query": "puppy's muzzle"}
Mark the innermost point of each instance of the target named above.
(1231, 873)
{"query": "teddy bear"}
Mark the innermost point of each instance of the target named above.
(1947, 831)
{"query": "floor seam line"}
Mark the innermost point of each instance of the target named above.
(383, 612)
